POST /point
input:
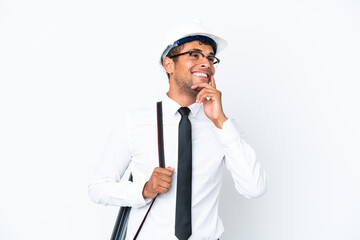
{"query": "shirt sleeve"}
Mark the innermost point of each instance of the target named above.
(106, 186)
(240, 160)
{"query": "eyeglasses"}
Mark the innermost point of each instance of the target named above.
(198, 56)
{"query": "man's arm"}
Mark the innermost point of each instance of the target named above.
(240, 158)
(105, 186)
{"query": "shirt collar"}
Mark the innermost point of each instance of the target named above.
(173, 107)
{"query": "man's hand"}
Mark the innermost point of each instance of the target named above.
(159, 182)
(212, 107)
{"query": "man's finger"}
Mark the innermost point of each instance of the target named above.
(207, 97)
(163, 190)
(204, 93)
(201, 85)
(213, 81)
(164, 185)
(166, 171)
(165, 178)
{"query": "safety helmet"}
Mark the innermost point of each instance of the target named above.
(187, 32)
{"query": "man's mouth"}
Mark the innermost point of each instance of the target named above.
(201, 75)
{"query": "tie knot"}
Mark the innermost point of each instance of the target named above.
(184, 111)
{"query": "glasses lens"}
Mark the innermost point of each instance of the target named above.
(198, 56)
(212, 60)
(195, 55)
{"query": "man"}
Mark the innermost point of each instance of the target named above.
(187, 200)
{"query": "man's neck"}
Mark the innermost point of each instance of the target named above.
(182, 99)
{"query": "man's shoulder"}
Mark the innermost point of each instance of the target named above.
(142, 114)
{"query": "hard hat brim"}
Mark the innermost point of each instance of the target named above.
(220, 42)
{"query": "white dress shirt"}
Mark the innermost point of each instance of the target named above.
(133, 143)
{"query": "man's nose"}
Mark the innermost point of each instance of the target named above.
(205, 62)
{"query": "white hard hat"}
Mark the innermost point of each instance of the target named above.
(187, 32)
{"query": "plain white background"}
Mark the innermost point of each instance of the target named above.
(290, 76)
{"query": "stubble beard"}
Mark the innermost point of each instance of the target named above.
(185, 87)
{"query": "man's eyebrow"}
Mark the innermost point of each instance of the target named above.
(199, 50)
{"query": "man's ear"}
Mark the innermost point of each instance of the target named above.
(168, 65)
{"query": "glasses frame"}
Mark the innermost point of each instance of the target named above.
(201, 53)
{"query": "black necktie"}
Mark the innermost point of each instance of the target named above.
(183, 194)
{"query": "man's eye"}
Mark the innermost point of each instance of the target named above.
(211, 59)
(194, 55)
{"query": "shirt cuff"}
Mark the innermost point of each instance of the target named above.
(135, 193)
(227, 134)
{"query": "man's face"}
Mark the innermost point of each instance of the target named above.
(188, 71)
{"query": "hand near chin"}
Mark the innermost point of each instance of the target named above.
(211, 99)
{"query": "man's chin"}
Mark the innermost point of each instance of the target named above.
(194, 92)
